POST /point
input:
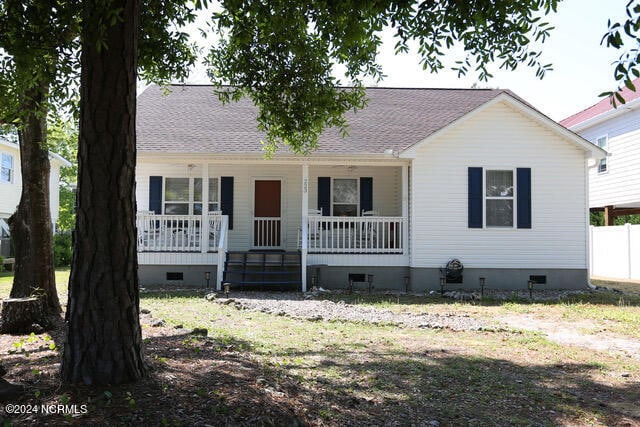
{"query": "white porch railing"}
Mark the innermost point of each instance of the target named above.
(370, 234)
(221, 247)
(178, 233)
(266, 232)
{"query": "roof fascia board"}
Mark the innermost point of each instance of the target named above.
(199, 158)
(54, 156)
(63, 162)
(568, 135)
(9, 144)
(607, 115)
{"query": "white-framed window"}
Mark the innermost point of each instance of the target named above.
(499, 198)
(603, 142)
(345, 197)
(183, 196)
(6, 168)
(214, 195)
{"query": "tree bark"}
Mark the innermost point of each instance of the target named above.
(30, 225)
(104, 340)
(23, 315)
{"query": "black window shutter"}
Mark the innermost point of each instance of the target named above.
(366, 193)
(226, 198)
(324, 195)
(475, 198)
(155, 194)
(523, 183)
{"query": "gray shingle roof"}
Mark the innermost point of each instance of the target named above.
(191, 119)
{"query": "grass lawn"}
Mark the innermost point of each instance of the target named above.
(6, 280)
(260, 369)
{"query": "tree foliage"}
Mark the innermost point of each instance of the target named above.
(38, 54)
(625, 36)
(284, 54)
(63, 140)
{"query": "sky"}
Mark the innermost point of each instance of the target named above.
(582, 68)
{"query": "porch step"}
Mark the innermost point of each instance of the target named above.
(263, 270)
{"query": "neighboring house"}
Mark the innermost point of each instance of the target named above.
(425, 176)
(614, 184)
(11, 185)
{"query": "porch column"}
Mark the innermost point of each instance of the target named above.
(204, 224)
(304, 226)
(405, 209)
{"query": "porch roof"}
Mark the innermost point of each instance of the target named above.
(191, 119)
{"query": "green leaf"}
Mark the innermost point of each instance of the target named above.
(629, 84)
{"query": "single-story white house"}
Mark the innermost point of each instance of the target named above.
(425, 176)
(11, 185)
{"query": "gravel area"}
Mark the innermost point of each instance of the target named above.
(296, 306)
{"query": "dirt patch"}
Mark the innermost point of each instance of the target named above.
(568, 333)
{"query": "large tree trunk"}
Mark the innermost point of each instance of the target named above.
(30, 225)
(104, 342)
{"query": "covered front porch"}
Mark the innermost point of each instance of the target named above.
(357, 213)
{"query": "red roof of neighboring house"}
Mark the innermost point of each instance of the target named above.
(601, 107)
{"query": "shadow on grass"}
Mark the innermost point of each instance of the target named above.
(222, 381)
(373, 387)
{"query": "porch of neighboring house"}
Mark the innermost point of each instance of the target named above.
(5, 241)
(273, 224)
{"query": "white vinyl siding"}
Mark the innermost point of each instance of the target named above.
(621, 184)
(499, 138)
(10, 192)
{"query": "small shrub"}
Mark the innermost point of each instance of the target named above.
(62, 249)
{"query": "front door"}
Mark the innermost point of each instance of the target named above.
(267, 220)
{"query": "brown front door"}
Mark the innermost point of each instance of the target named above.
(267, 221)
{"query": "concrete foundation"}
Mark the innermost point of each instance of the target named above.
(338, 277)
(384, 278)
(428, 279)
(167, 275)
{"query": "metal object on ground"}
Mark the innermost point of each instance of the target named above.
(226, 287)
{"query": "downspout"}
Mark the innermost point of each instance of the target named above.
(588, 233)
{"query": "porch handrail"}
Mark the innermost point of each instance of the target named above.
(368, 234)
(222, 250)
(179, 233)
(214, 228)
(168, 233)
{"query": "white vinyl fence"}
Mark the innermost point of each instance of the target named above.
(615, 252)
